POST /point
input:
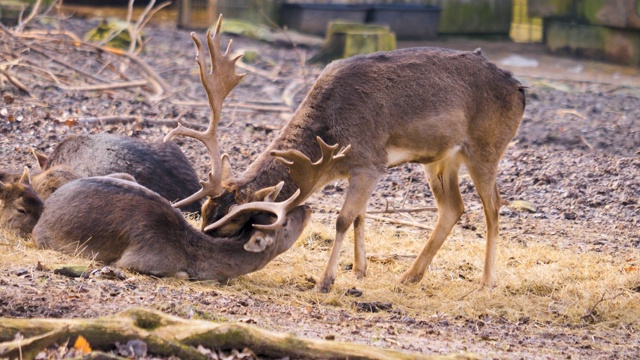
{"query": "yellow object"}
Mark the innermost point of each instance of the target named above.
(523, 27)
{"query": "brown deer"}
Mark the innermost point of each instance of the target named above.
(22, 198)
(437, 107)
(126, 225)
(159, 166)
(20, 205)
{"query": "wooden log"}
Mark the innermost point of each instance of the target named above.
(167, 335)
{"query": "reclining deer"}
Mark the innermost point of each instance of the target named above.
(20, 205)
(436, 107)
(22, 198)
(127, 225)
(159, 166)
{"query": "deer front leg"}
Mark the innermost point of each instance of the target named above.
(361, 185)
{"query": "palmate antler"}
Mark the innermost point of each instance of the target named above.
(217, 82)
(307, 175)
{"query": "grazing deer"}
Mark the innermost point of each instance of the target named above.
(159, 166)
(20, 205)
(436, 107)
(124, 224)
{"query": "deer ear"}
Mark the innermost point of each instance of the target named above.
(41, 158)
(26, 177)
(258, 242)
(268, 194)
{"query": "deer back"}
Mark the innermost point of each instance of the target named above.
(20, 207)
(159, 166)
(122, 223)
(46, 182)
(421, 100)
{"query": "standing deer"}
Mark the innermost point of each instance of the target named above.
(159, 166)
(436, 107)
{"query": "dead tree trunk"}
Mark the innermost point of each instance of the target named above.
(167, 335)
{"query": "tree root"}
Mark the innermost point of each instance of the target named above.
(167, 335)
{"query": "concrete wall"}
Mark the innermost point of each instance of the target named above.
(457, 17)
(599, 29)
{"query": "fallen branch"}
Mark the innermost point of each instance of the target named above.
(241, 105)
(591, 314)
(396, 221)
(391, 211)
(167, 335)
(15, 82)
(114, 120)
(110, 86)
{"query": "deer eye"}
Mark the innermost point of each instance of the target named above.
(22, 211)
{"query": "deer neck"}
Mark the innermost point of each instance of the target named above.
(222, 258)
(299, 134)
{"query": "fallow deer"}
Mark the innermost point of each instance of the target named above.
(124, 224)
(159, 166)
(437, 107)
(22, 198)
(20, 206)
(127, 225)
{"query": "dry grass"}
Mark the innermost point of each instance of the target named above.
(538, 282)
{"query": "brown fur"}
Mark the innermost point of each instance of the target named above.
(20, 208)
(437, 107)
(159, 166)
(48, 181)
(124, 224)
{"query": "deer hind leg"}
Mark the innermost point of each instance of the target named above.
(443, 181)
(361, 185)
(484, 179)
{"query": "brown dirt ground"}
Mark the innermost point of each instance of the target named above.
(576, 159)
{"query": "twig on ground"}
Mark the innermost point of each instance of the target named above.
(396, 221)
(15, 82)
(110, 86)
(240, 105)
(591, 314)
(394, 210)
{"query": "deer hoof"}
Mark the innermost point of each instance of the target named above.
(325, 285)
(488, 284)
(409, 278)
(360, 273)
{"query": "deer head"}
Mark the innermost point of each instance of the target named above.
(20, 206)
(218, 81)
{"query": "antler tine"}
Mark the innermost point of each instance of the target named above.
(280, 209)
(308, 175)
(218, 83)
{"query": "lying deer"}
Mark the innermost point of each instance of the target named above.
(440, 108)
(20, 206)
(22, 198)
(124, 224)
(159, 166)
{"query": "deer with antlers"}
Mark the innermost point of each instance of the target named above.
(122, 223)
(436, 107)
